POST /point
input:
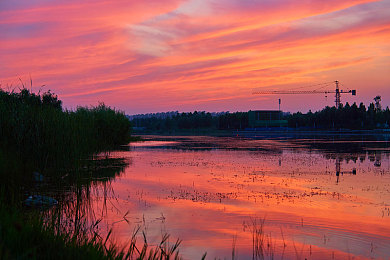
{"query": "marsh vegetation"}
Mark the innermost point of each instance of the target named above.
(45, 149)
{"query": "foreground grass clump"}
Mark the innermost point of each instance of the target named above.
(22, 238)
(36, 133)
(27, 237)
(38, 137)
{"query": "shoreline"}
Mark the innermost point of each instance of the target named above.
(270, 132)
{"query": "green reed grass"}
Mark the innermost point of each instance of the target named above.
(37, 240)
(34, 240)
(37, 134)
(263, 246)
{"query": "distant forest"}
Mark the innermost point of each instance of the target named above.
(172, 121)
(345, 117)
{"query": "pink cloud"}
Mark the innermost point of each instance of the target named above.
(188, 53)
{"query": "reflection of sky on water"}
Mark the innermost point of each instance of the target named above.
(207, 196)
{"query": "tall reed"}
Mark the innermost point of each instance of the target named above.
(37, 134)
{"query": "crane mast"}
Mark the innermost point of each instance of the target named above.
(337, 92)
(338, 96)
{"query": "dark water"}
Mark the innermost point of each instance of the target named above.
(319, 198)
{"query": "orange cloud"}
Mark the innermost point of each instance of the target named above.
(189, 53)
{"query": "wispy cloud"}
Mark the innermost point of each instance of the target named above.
(185, 54)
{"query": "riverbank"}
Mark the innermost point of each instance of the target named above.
(268, 132)
(44, 147)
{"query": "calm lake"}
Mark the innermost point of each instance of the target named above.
(314, 198)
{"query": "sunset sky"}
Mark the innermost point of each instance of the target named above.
(157, 56)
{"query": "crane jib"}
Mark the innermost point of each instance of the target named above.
(337, 91)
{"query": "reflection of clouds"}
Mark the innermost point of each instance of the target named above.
(206, 197)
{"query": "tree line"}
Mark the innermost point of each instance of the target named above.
(193, 120)
(345, 117)
(352, 117)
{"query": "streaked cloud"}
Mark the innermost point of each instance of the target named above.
(194, 54)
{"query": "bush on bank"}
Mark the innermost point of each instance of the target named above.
(38, 133)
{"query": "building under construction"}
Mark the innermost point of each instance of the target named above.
(266, 118)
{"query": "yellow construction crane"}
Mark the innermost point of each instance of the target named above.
(337, 92)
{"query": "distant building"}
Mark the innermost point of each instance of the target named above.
(266, 118)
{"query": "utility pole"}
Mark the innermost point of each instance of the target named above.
(280, 112)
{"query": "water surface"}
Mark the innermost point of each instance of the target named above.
(319, 198)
